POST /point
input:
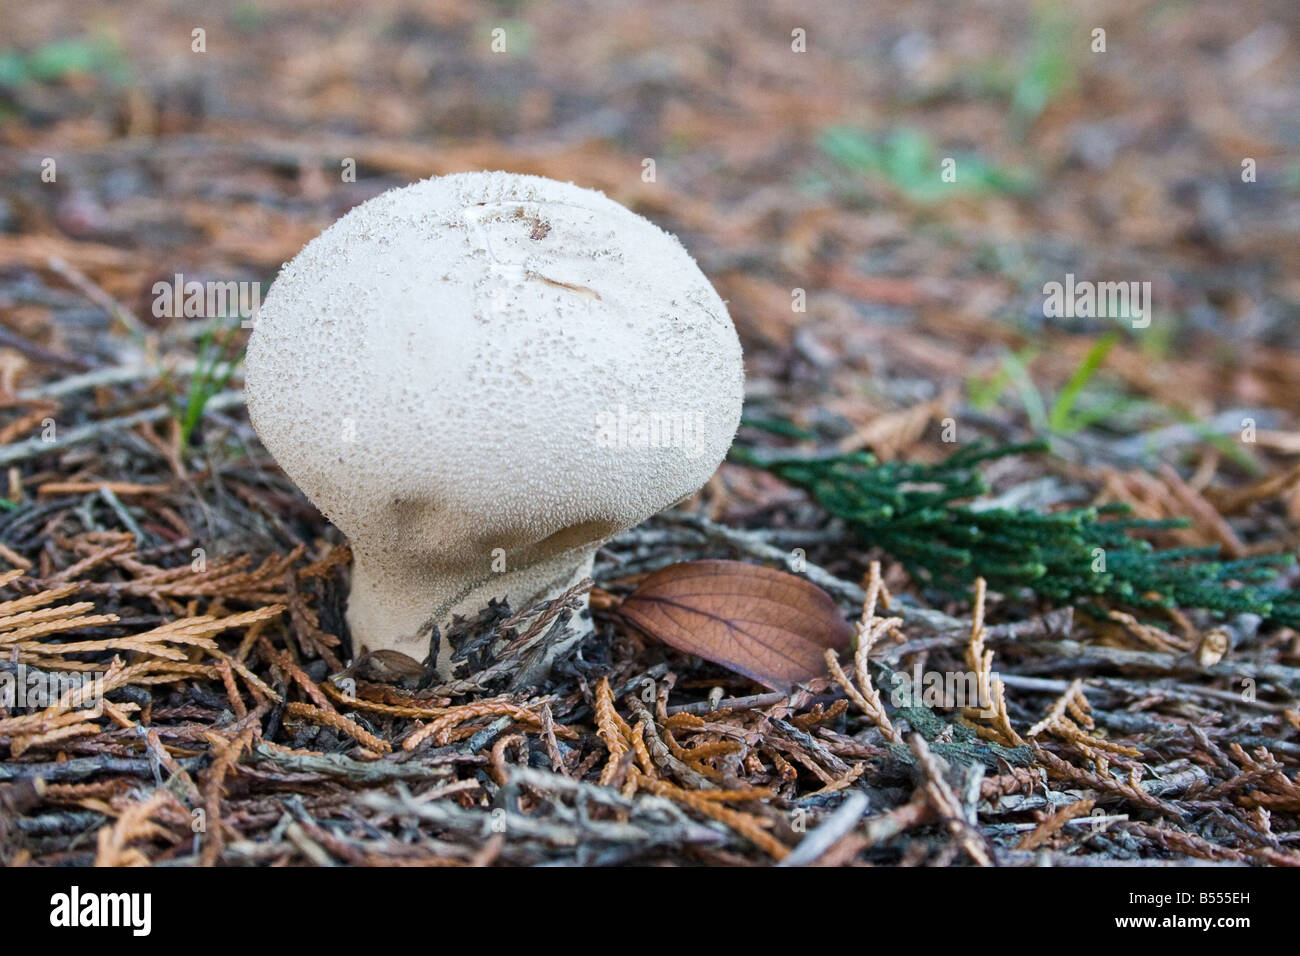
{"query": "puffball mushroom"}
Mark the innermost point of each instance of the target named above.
(480, 378)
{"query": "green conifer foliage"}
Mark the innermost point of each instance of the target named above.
(1090, 557)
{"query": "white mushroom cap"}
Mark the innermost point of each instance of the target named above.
(461, 374)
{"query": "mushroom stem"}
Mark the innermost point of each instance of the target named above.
(394, 605)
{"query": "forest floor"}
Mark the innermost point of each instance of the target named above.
(149, 537)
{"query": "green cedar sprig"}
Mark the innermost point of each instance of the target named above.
(1089, 556)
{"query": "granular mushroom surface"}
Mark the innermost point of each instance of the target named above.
(481, 377)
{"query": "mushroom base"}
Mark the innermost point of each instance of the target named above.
(396, 608)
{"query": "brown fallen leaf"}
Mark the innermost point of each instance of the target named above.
(768, 625)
